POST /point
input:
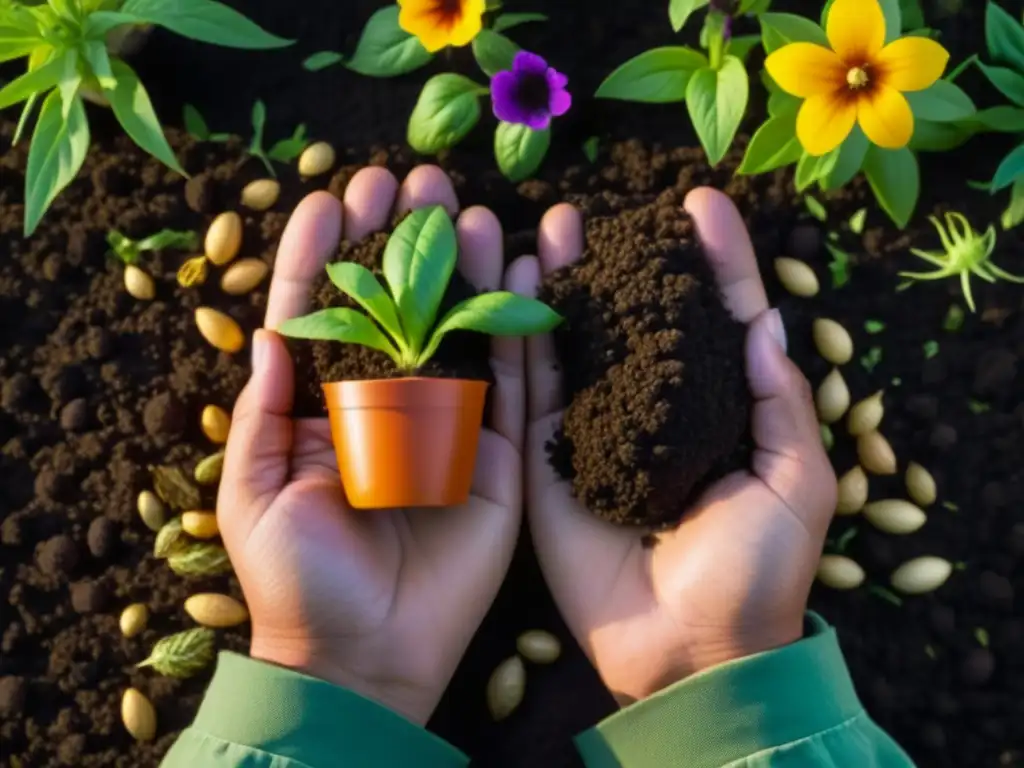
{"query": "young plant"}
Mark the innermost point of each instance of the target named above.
(65, 42)
(418, 263)
(713, 82)
(129, 251)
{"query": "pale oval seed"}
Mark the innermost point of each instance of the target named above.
(921, 575)
(200, 525)
(853, 492)
(244, 275)
(261, 194)
(832, 398)
(921, 485)
(832, 341)
(895, 516)
(138, 283)
(151, 510)
(138, 715)
(839, 572)
(539, 646)
(796, 277)
(220, 330)
(875, 454)
(316, 159)
(208, 470)
(506, 687)
(866, 416)
(216, 424)
(133, 619)
(224, 238)
(216, 611)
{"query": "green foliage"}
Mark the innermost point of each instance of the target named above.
(183, 654)
(520, 150)
(283, 151)
(385, 49)
(493, 52)
(680, 10)
(401, 320)
(895, 179)
(447, 110)
(509, 20)
(322, 60)
(658, 76)
(717, 100)
(129, 251)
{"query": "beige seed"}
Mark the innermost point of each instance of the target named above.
(215, 423)
(921, 575)
(853, 492)
(138, 283)
(200, 525)
(833, 341)
(866, 416)
(261, 194)
(224, 238)
(138, 715)
(506, 687)
(133, 619)
(151, 510)
(208, 470)
(244, 275)
(921, 485)
(875, 454)
(539, 646)
(796, 277)
(832, 398)
(220, 330)
(213, 610)
(895, 516)
(316, 159)
(839, 572)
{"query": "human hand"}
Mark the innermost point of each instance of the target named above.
(383, 602)
(733, 579)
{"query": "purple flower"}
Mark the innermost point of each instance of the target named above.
(531, 93)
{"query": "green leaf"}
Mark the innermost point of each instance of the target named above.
(1005, 37)
(741, 46)
(339, 324)
(183, 654)
(36, 81)
(495, 314)
(55, 156)
(938, 137)
(931, 349)
(954, 319)
(895, 179)
(858, 220)
(848, 162)
(782, 104)
(871, 360)
(913, 15)
(359, 284)
(259, 124)
(170, 538)
(716, 101)
(591, 147)
(95, 53)
(1014, 213)
(286, 150)
(943, 102)
(26, 114)
(134, 111)
(493, 52)
(811, 169)
(182, 240)
(1006, 80)
(679, 11)
(779, 29)
(418, 263)
(195, 124)
(815, 208)
(1010, 170)
(98, 24)
(204, 20)
(874, 327)
(775, 145)
(839, 267)
(658, 76)
(893, 19)
(322, 60)
(200, 558)
(509, 20)
(447, 110)
(385, 49)
(1003, 119)
(70, 82)
(520, 150)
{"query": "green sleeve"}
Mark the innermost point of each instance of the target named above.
(257, 715)
(793, 707)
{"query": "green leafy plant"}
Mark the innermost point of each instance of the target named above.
(196, 126)
(129, 251)
(183, 654)
(283, 151)
(399, 320)
(66, 45)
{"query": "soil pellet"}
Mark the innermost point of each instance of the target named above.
(943, 437)
(59, 555)
(12, 694)
(75, 415)
(89, 596)
(978, 666)
(163, 416)
(102, 537)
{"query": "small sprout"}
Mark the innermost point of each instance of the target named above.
(871, 360)
(950, 506)
(897, 381)
(195, 124)
(874, 326)
(839, 266)
(283, 151)
(930, 652)
(815, 208)
(858, 220)
(844, 541)
(832, 236)
(981, 635)
(954, 320)
(322, 60)
(129, 251)
(960, 565)
(885, 594)
(966, 253)
(590, 148)
(977, 407)
(827, 438)
(931, 349)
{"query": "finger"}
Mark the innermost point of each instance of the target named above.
(427, 185)
(369, 200)
(508, 362)
(481, 248)
(309, 241)
(727, 246)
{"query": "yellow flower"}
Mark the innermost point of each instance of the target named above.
(859, 80)
(440, 23)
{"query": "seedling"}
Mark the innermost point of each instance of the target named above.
(858, 220)
(874, 326)
(839, 266)
(418, 264)
(954, 319)
(981, 635)
(590, 148)
(977, 407)
(871, 360)
(196, 126)
(129, 251)
(283, 151)
(843, 542)
(931, 349)
(815, 208)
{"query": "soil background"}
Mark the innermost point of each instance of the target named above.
(96, 387)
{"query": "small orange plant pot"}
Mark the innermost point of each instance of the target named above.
(406, 442)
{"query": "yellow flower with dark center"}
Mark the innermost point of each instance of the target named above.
(860, 80)
(440, 23)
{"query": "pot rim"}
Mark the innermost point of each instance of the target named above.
(406, 392)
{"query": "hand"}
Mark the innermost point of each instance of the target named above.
(733, 578)
(382, 602)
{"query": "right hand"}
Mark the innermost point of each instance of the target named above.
(733, 579)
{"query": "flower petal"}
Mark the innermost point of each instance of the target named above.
(885, 116)
(426, 25)
(825, 121)
(530, 64)
(911, 64)
(805, 69)
(560, 102)
(466, 27)
(505, 99)
(856, 30)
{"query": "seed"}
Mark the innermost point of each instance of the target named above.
(895, 516)
(261, 194)
(796, 277)
(866, 416)
(220, 330)
(200, 525)
(920, 485)
(833, 398)
(213, 610)
(133, 619)
(138, 715)
(208, 470)
(875, 454)
(215, 423)
(839, 572)
(833, 341)
(853, 492)
(138, 283)
(539, 646)
(921, 575)
(244, 275)
(506, 687)
(316, 159)
(224, 238)
(151, 510)
(193, 272)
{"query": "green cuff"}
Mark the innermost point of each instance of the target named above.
(733, 710)
(312, 722)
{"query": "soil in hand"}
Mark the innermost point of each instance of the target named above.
(652, 364)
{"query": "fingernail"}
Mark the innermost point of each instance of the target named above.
(259, 351)
(777, 329)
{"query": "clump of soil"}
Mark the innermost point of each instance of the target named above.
(652, 364)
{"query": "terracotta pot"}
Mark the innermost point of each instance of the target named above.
(406, 442)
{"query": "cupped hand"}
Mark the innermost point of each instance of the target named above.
(733, 579)
(383, 602)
